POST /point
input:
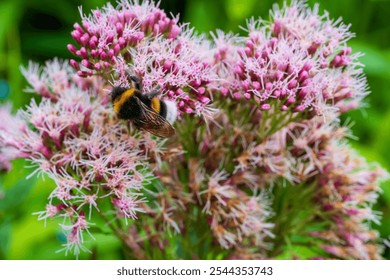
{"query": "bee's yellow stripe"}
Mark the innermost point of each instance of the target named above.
(156, 105)
(118, 103)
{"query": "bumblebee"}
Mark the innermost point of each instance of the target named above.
(145, 110)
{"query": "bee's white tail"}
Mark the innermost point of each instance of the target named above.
(171, 111)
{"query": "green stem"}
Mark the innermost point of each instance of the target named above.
(118, 233)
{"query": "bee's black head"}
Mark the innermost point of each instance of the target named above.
(117, 92)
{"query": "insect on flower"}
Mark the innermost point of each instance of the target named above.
(145, 110)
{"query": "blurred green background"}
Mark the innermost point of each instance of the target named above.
(39, 30)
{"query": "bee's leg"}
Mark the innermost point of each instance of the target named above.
(154, 93)
(135, 79)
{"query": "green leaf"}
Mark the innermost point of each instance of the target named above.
(376, 63)
(5, 236)
(9, 14)
(237, 10)
(297, 252)
(50, 43)
(381, 143)
(15, 196)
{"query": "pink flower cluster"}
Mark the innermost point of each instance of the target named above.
(75, 140)
(234, 211)
(280, 90)
(10, 127)
(347, 186)
(180, 67)
(234, 215)
(311, 153)
(297, 62)
(348, 191)
(142, 39)
(110, 32)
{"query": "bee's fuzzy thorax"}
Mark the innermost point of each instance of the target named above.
(123, 99)
(116, 92)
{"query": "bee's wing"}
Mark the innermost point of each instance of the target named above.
(153, 122)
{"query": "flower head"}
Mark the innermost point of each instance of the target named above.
(142, 39)
(73, 137)
(298, 62)
(11, 128)
(110, 31)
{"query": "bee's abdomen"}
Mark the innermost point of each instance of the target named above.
(160, 107)
(168, 111)
(163, 109)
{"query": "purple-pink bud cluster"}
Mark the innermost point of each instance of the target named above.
(105, 35)
(301, 65)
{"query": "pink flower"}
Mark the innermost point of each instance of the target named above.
(75, 238)
(347, 186)
(128, 206)
(285, 63)
(142, 39)
(10, 128)
(73, 136)
(109, 32)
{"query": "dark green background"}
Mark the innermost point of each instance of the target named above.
(40, 29)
